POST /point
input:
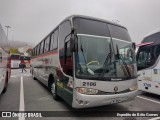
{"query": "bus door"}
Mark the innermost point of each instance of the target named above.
(68, 70)
(66, 62)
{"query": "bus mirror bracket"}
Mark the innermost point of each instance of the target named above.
(73, 40)
(134, 46)
(72, 44)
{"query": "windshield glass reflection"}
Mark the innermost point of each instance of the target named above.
(95, 57)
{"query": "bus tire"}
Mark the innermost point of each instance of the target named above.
(33, 76)
(54, 91)
(4, 90)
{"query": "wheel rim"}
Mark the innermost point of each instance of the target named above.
(53, 89)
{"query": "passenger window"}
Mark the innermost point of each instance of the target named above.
(33, 53)
(54, 40)
(38, 49)
(41, 47)
(47, 42)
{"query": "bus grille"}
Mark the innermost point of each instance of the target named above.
(111, 93)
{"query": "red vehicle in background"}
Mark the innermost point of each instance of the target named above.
(25, 60)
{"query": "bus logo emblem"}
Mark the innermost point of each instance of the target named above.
(115, 89)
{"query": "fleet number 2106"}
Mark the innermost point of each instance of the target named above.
(89, 83)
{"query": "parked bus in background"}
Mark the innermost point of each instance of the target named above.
(148, 63)
(26, 60)
(87, 62)
(15, 60)
(5, 61)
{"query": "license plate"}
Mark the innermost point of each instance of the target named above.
(146, 85)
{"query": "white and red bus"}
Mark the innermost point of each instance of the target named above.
(87, 62)
(5, 61)
(15, 60)
(148, 63)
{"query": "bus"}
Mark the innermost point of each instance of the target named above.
(5, 61)
(148, 63)
(26, 60)
(87, 62)
(15, 60)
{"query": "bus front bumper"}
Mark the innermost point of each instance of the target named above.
(85, 101)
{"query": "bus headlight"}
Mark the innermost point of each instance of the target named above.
(88, 91)
(132, 88)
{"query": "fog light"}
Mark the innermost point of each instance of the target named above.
(80, 102)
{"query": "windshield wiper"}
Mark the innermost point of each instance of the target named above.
(105, 64)
(123, 61)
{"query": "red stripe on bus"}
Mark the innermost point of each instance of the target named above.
(144, 43)
(43, 55)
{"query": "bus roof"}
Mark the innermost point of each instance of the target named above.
(154, 37)
(93, 18)
(85, 17)
(144, 43)
(153, 32)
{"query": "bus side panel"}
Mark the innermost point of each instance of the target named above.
(145, 75)
(150, 81)
(149, 86)
(155, 75)
(68, 90)
(47, 64)
(64, 87)
(145, 80)
(4, 60)
(2, 70)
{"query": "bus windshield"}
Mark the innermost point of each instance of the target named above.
(147, 54)
(96, 57)
(25, 58)
(104, 50)
(15, 57)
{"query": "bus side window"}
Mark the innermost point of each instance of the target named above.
(32, 52)
(46, 45)
(54, 40)
(38, 49)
